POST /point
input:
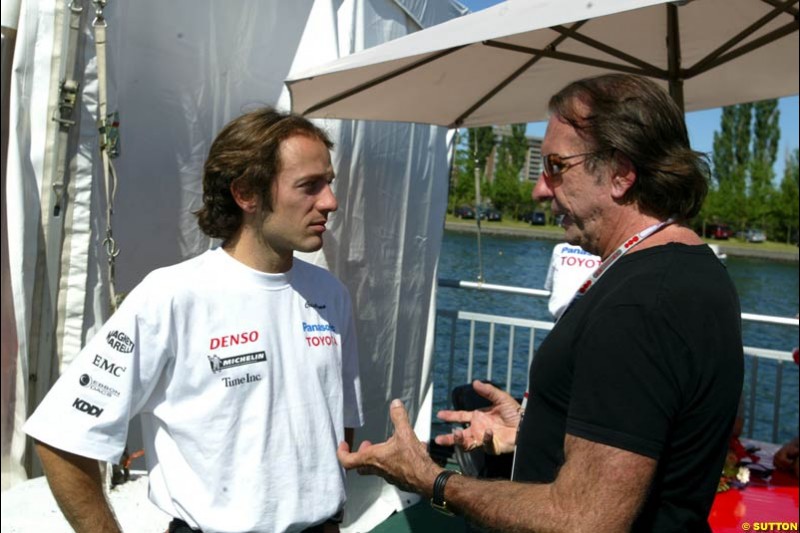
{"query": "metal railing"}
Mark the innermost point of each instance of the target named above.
(518, 338)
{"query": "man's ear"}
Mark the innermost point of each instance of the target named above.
(246, 199)
(623, 178)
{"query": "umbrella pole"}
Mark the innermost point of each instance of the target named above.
(478, 205)
(674, 55)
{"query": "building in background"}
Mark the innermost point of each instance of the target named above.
(533, 158)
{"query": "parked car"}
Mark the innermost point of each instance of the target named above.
(753, 235)
(718, 231)
(464, 211)
(524, 216)
(491, 214)
(536, 218)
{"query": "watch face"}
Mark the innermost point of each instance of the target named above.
(442, 508)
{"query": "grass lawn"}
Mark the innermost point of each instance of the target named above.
(730, 243)
(769, 245)
(505, 223)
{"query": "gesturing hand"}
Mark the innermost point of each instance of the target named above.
(493, 428)
(402, 460)
(787, 456)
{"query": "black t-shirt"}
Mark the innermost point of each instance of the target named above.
(650, 361)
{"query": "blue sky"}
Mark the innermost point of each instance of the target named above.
(702, 124)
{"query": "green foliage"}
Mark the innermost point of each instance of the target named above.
(525, 200)
(505, 192)
(505, 189)
(472, 151)
(766, 133)
(787, 201)
(509, 160)
(743, 191)
(480, 142)
(722, 157)
(462, 180)
(766, 137)
(517, 145)
(730, 158)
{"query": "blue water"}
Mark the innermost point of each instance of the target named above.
(765, 287)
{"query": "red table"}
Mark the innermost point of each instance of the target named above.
(760, 503)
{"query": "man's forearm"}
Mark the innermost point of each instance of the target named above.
(78, 489)
(598, 489)
(505, 505)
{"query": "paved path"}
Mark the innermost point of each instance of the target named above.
(534, 232)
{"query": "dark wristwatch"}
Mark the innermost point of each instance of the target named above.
(437, 499)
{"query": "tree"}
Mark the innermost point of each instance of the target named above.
(518, 146)
(787, 200)
(476, 146)
(735, 186)
(462, 187)
(505, 189)
(509, 153)
(510, 157)
(766, 136)
(526, 201)
(745, 148)
(482, 140)
(724, 161)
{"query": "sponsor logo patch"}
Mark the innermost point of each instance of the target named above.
(226, 341)
(315, 305)
(310, 328)
(219, 364)
(120, 342)
(316, 341)
(86, 407)
(107, 366)
(92, 384)
(247, 378)
(585, 262)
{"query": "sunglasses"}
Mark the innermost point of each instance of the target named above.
(553, 165)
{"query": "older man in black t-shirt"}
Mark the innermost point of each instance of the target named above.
(634, 391)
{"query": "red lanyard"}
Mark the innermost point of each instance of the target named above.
(614, 257)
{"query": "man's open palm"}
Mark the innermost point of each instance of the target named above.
(493, 428)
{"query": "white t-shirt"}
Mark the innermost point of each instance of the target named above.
(569, 267)
(244, 381)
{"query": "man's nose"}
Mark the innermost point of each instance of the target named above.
(542, 190)
(327, 201)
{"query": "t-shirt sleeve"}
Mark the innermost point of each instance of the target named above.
(351, 381)
(548, 282)
(88, 409)
(626, 386)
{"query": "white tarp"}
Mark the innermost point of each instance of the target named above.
(9, 14)
(178, 71)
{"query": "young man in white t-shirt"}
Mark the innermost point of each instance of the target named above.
(242, 362)
(570, 266)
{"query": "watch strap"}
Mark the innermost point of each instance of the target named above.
(437, 499)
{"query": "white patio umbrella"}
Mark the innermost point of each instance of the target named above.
(501, 65)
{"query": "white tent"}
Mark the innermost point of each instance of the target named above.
(177, 72)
